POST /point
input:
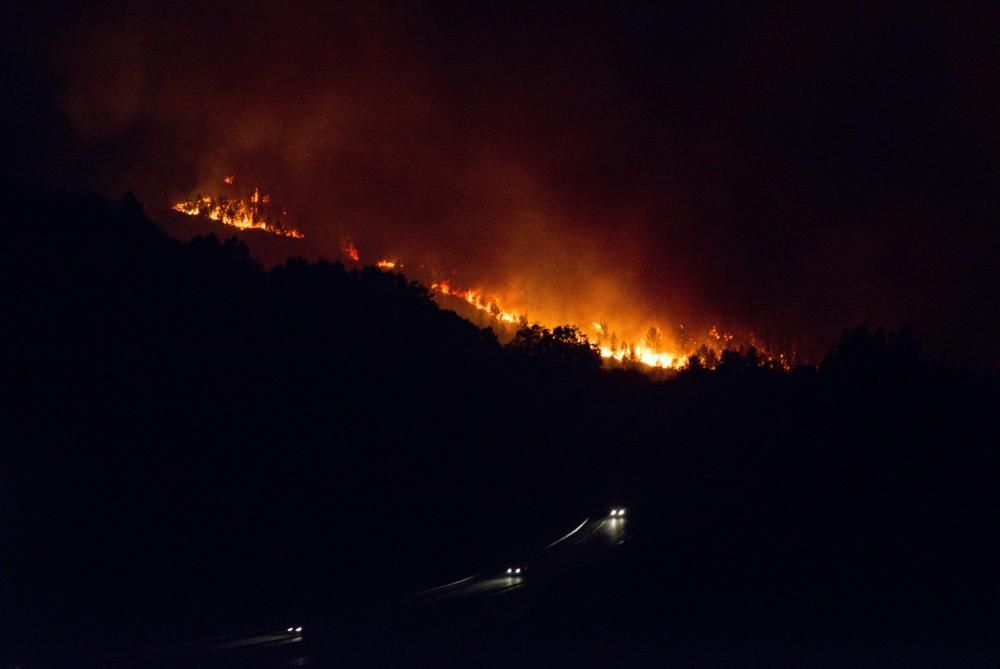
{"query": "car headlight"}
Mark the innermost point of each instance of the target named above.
(509, 570)
(298, 629)
(517, 571)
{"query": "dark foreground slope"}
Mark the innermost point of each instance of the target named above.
(198, 447)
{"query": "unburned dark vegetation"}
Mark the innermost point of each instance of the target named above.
(198, 446)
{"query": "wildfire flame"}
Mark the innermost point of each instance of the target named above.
(623, 353)
(253, 214)
(651, 350)
(478, 300)
(645, 355)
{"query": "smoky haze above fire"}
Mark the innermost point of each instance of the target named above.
(787, 172)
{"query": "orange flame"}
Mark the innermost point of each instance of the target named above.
(644, 355)
(650, 351)
(254, 214)
(479, 301)
(637, 353)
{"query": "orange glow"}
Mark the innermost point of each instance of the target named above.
(254, 214)
(477, 299)
(623, 352)
(647, 347)
(645, 356)
(623, 340)
(621, 336)
(229, 180)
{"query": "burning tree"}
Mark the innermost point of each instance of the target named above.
(255, 213)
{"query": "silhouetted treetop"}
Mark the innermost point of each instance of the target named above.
(565, 345)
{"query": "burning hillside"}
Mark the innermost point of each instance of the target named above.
(477, 299)
(253, 213)
(622, 332)
(650, 347)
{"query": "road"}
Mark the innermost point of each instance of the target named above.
(582, 543)
(473, 596)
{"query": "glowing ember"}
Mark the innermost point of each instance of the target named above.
(481, 302)
(255, 214)
(651, 350)
(645, 356)
(622, 353)
(631, 346)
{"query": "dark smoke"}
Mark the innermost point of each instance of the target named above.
(795, 170)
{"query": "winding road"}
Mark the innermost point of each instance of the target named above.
(585, 542)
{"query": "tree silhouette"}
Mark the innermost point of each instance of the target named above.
(564, 345)
(171, 399)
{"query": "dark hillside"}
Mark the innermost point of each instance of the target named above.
(198, 445)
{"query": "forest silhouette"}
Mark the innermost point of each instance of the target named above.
(194, 439)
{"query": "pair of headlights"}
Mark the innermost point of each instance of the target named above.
(617, 513)
(513, 570)
(294, 629)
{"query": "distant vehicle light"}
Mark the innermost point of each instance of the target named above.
(517, 571)
(509, 570)
(290, 629)
(298, 629)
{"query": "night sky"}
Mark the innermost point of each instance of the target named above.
(795, 169)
